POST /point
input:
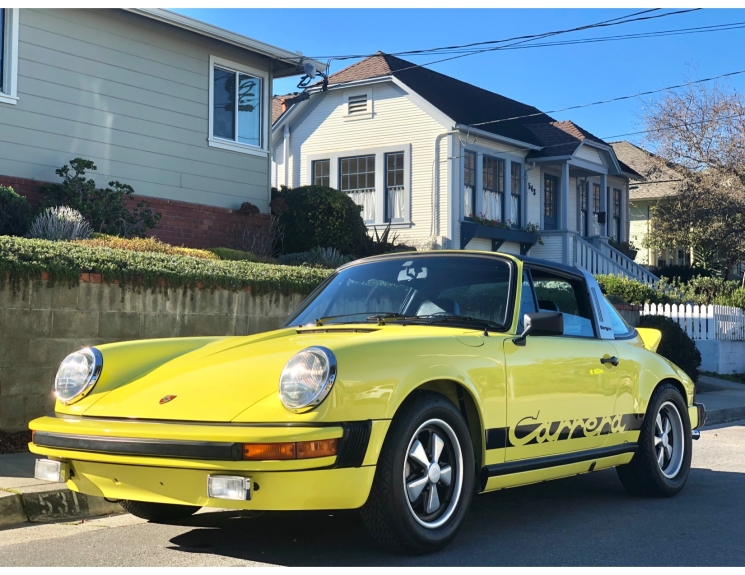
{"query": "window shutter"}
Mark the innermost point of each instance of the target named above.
(357, 104)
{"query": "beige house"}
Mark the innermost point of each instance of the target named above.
(659, 183)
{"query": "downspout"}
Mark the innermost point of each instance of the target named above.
(435, 224)
(286, 152)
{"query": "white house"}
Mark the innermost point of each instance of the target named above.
(436, 158)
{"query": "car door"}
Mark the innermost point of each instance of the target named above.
(560, 396)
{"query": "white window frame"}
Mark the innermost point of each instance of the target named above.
(380, 179)
(367, 91)
(216, 142)
(9, 94)
(508, 159)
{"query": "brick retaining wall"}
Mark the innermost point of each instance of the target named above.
(40, 325)
(182, 223)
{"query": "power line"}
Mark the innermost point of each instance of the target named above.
(642, 35)
(612, 22)
(617, 99)
(684, 124)
(542, 34)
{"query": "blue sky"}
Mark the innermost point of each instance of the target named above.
(548, 78)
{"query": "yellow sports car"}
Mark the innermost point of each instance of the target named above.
(402, 386)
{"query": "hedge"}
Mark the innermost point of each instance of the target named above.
(633, 291)
(24, 259)
(144, 245)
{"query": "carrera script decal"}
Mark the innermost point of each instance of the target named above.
(530, 430)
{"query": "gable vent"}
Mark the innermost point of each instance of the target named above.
(357, 104)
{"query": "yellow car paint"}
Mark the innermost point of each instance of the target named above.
(549, 396)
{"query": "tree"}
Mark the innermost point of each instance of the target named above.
(699, 133)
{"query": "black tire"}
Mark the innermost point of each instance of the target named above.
(389, 513)
(159, 512)
(645, 475)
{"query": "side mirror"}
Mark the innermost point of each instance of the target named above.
(541, 323)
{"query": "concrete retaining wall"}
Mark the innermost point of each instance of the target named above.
(40, 325)
(722, 356)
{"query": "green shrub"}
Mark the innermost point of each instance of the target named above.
(237, 255)
(633, 291)
(318, 257)
(314, 216)
(60, 223)
(15, 213)
(152, 245)
(106, 209)
(682, 273)
(24, 259)
(675, 344)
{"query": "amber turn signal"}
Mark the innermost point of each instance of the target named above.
(310, 449)
(300, 450)
(268, 451)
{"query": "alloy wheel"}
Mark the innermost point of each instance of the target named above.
(669, 445)
(433, 473)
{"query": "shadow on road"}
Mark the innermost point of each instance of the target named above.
(583, 520)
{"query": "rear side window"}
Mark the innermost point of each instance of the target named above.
(568, 296)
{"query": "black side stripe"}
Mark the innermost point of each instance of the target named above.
(521, 466)
(534, 433)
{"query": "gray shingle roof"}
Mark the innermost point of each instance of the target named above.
(660, 181)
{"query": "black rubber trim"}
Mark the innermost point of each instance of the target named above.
(521, 466)
(212, 450)
(353, 444)
(207, 423)
(701, 415)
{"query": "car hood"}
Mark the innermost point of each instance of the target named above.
(215, 382)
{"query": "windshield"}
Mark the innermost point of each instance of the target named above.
(440, 289)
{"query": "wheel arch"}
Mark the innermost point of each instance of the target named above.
(463, 398)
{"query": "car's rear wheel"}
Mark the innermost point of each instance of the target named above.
(158, 512)
(424, 479)
(661, 464)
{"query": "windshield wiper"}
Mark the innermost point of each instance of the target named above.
(374, 315)
(442, 318)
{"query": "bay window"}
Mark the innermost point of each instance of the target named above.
(321, 173)
(515, 188)
(493, 186)
(469, 185)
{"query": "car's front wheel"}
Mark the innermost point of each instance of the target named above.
(158, 512)
(424, 479)
(661, 464)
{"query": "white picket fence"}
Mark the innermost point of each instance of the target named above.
(703, 321)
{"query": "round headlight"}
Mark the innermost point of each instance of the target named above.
(77, 374)
(307, 378)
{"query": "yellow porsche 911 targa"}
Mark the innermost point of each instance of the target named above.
(402, 386)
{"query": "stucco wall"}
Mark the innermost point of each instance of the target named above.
(722, 356)
(40, 325)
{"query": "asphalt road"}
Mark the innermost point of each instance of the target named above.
(583, 520)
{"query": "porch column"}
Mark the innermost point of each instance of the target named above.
(604, 203)
(564, 212)
(564, 203)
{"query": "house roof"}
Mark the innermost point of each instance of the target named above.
(661, 181)
(560, 138)
(464, 103)
(286, 61)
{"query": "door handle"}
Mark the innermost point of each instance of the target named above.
(611, 360)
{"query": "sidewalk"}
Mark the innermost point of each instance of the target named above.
(25, 499)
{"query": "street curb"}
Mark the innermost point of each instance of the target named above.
(42, 504)
(724, 415)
